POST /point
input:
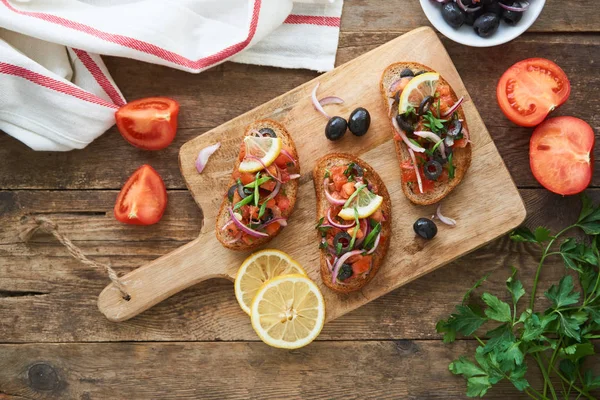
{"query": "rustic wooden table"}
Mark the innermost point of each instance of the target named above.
(54, 343)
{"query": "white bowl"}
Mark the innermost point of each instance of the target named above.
(467, 36)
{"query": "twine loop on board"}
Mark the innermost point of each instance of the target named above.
(45, 225)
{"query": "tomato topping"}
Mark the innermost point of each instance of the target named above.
(409, 175)
(271, 203)
(143, 198)
(269, 185)
(560, 154)
(272, 229)
(149, 123)
(362, 265)
(284, 175)
(359, 234)
(282, 202)
(247, 239)
(339, 180)
(530, 89)
(247, 178)
(282, 160)
(253, 212)
(377, 215)
(348, 189)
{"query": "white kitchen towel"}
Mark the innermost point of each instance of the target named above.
(56, 93)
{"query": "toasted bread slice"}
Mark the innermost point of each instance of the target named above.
(461, 157)
(290, 188)
(335, 159)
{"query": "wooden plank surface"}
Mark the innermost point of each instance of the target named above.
(389, 344)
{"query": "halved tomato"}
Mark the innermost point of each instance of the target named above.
(531, 89)
(560, 154)
(150, 123)
(143, 198)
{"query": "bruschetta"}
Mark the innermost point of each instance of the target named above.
(430, 131)
(262, 190)
(353, 221)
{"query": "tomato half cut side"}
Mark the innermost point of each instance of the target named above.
(143, 198)
(529, 90)
(150, 123)
(560, 154)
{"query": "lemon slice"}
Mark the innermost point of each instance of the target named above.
(265, 148)
(417, 89)
(288, 312)
(365, 202)
(259, 268)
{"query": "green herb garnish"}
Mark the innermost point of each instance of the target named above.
(451, 167)
(263, 208)
(370, 239)
(327, 173)
(431, 151)
(243, 202)
(434, 124)
(258, 182)
(353, 195)
(320, 222)
(338, 248)
(323, 245)
(356, 228)
(256, 194)
(558, 340)
(349, 169)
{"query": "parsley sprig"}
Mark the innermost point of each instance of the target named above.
(436, 125)
(557, 339)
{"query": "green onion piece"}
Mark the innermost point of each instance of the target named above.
(263, 208)
(338, 248)
(258, 182)
(243, 202)
(451, 167)
(355, 230)
(370, 239)
(320, 222)
(256, 194)
(358, 189)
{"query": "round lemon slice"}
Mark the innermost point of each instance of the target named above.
(365, 203)
(417, 89)
(264, 148)
(259, 268)
(288, 312)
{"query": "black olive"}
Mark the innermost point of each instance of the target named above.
(406, 72)
(486, 25)
(472, 16)
(268, 132)
(425, 105)
(231, 192)
(404, 124)
(467, 3)
(345, 272)
(512, 17)
(454, 128)
(419, 73)
(355, 170)
(336, 127)
(425, 228)
(493, 7)
(453, 15)
(359, 121)
(432, 169)
(488, 2)
(244, 191)
(267, 216)
(344, 239)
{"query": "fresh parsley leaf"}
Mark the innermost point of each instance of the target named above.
(466, 321)
(590, 381)
(534, 326)
(478, 382)
(568, 368)
(587, 208)
(523, 234)
(497, 309)
(320, 222)
(562, 295)
(338, 248)
(517, 377)
(472, 288)
(577, 351)
(542, 234)
(349, 169)
(569, 326)
(515, 287)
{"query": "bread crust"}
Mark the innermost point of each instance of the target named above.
(290, 188)
(334, 159)
(461, 157)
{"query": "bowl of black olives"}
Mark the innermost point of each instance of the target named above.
(482, 23)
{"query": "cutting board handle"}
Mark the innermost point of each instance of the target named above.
(162, 278)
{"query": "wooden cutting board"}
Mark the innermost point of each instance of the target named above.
(486, 204)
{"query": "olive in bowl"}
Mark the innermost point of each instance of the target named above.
(453, 15)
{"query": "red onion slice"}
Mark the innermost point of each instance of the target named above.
(256, 132)
(524, 6)
(288, 155)
(277, 178)
(407, 142)
(315, 102)
(434, 138)
(235, 239)
(331, 100)
(227, 224)
(330, 198)
(414, 161)
(204, 155)
(465, 8)
(375, 244)
(329, 264)
(451, 110)
(244, 228)
(445, 220)
(282, 221)
(337, 225)
(340, 262)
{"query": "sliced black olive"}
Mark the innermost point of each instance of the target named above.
(268, 132)
(244, 191)
(425, 228)
(231, 192)
(419, 73)
(359, 121)
(336, 128)
(425, 104)
(512, 17)
(345, 272)
(486, 25)
(454, 129)
(432, 169)
(343, 239)
(404, 124)
(406, 72)
(355, 170)
(453, 15)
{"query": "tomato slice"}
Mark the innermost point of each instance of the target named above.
(531, 89)
(560, 154)
(143, 198)
(150, 123)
